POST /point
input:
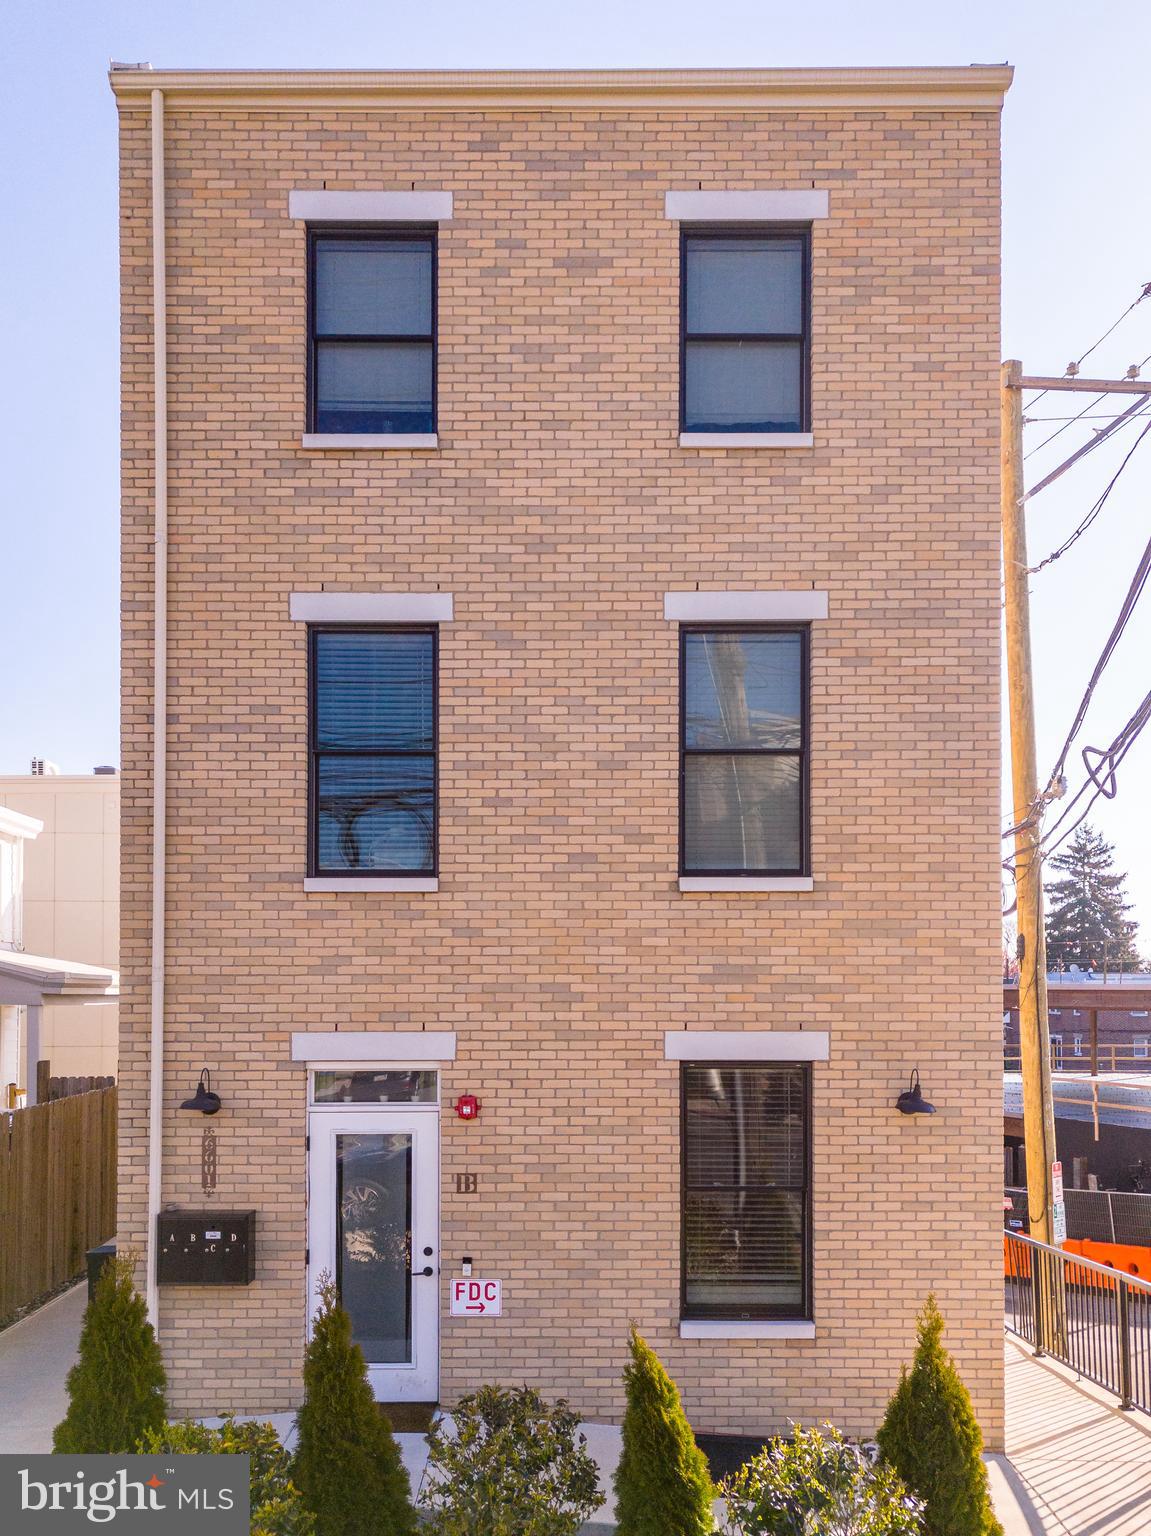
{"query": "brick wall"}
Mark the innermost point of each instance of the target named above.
(558, 509)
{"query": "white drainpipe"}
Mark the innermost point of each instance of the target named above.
(159, 697)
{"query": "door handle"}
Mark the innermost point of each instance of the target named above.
(427, 1270)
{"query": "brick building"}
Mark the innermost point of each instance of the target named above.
(570, 708)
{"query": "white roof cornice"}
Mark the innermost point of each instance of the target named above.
(16, 824)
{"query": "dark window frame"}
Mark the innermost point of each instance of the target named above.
(369, 233)
(315, 869)
(802, 232)
(765, 1312)
(803, 751)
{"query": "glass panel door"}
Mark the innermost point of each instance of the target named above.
(374, 1242)
(373, 1227)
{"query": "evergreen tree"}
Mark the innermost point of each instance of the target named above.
(931, 1437)
(662, 1483)
(348, 1466)
(116, 1388)
(1087, 923)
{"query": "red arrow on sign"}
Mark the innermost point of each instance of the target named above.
(479, 1306)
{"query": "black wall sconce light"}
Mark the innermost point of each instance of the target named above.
(911, 1100)
(207, 1102)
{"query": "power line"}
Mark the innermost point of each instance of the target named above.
(1074, 367)
(1086, 522)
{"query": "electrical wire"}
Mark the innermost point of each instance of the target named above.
(1078, 361)
(1090, 517)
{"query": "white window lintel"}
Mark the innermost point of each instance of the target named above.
(747, 205)
(370, 607)
(323, 207)
(781, 1328)
(744, 607)
(374, 1045)
(746, 1045)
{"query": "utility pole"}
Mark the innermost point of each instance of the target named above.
(1034, 1038)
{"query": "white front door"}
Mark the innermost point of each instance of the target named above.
(373, 1225)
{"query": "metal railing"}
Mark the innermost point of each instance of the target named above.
(1125, 1056)
(1094, 1319)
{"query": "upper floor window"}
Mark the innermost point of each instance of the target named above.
(743, 751)
(746, 1190)
(373, 751)
(372, 319)
(745, 330)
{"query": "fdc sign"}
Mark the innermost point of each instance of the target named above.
(477, 1298)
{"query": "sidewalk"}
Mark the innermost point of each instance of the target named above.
(36, 1355)
(1076, 1464)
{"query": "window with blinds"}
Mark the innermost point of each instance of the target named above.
(373, 751)
(746, 1238)
(743, 751)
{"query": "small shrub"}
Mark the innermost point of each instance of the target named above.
(116, 1388)
(816, 1484)
(348, 1466)
(514, 1466)
(931, 1437)
(276, 1506)
(662, 1484)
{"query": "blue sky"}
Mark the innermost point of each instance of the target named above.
(1077, 249)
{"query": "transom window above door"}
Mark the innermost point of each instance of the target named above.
(372, 321)
(744, 330)
(372, 764)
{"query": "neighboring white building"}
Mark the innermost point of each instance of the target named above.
(59, 897)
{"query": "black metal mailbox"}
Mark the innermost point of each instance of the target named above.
(207, 1248)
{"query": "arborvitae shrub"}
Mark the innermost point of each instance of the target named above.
(116, 1388)
(275, 1503)
(348, 1465)
(511, 1465)
(662, 1484)
(931, 1437)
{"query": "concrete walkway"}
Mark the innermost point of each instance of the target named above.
(1076, 1464)
(36, 1355)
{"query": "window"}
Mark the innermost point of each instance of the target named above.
(746, 1190)
(1141, 1044)
(743, 751)
(744, 330)
(372, 309)
(1077, 1044)
(1056, 1051)
(373, 751)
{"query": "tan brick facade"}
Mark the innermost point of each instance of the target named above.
(558, 509)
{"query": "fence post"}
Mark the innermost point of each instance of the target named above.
(1037, 1258)
(1124, 1325)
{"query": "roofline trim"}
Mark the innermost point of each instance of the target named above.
(966, 88)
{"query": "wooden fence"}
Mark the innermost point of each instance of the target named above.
(57, 1193)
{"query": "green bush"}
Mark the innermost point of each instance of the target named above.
(512, 1466)
(347, 1465)
(815, 1484)
(276, 1506)
(931, 1437)
(662, 1484)
(116, 1388)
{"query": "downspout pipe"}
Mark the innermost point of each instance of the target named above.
(159, 699)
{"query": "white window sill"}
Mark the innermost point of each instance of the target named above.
(329, 883)
(744, 884)
(783, 1329)
(373, 440)
(747, 440)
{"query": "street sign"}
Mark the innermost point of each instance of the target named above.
(477, 1298)
(1059, 1224)
(1057, 1183)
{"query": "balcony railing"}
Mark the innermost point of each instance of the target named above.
(1126, 1057)
(1093, 1319)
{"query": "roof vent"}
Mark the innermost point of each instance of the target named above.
(104, 768)
(43, 769)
